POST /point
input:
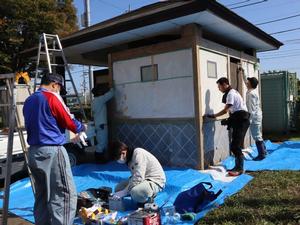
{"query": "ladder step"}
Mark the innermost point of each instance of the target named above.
(3, 105)
(45, 53)
(50, 35)
(54, 50)
(3, 88)
(20, 103)
(58, 65)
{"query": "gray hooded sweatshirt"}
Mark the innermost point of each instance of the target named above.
(144, 166)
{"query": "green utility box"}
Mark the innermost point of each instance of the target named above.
(279, 92)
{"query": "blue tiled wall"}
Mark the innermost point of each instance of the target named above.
(173, 143)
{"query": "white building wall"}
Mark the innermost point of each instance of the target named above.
(216, 137)
(250, 72)
(171, 96)
(216, 142)
(211, 96)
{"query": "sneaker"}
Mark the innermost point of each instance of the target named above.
(259, 158)
(235, 173)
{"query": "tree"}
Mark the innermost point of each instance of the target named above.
(22, 22)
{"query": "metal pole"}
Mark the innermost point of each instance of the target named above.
(9, 154)
(91, 81)
(87, 13)
(87, 24)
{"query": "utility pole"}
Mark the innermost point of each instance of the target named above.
(84, 86)
(87, 23)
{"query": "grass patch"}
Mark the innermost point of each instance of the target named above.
(291, 136)
(272, 197)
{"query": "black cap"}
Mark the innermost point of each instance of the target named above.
(57, 79)
(253, 82)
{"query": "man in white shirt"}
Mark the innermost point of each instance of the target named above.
(253, 106)
(147, 175)
(99, 112)
(238, 121)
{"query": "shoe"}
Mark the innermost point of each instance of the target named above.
(236, 161)
(261, 148)
(238, 169)
(259, 158)
(235, 173)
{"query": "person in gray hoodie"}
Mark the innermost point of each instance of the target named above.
(253, 106)
(147, 175)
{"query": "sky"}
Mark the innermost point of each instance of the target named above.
(286, 58)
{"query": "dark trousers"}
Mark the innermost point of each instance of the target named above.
(239, 122)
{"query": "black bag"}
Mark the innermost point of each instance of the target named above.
(87, 197)
(195, 199)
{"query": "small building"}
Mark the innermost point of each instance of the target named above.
(164, 60)
(279, 93)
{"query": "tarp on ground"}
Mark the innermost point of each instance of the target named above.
(94, 176)
(285, 156)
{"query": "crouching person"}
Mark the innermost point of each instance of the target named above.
(147, 175)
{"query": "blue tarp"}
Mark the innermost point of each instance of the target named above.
(285, 156)
(281, 157)
(93, 176)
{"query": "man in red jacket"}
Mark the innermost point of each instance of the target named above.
(46, 118)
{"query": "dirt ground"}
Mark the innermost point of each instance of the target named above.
(15, 220)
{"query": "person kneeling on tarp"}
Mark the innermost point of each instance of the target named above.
(147, 175)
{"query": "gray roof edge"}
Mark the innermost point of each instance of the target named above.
(159, 12)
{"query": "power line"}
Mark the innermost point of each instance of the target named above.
(280, 68)
(276, 20)
(250, 4)
(281, 51)
(293, 43)
(238, 3)
(292, 40)
(285, 31)
(283, 56)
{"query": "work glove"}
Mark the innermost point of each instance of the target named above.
(120, 194)
(79, 139)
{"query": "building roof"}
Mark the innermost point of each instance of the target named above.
(164, 18)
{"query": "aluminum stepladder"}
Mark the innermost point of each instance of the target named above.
(14, 122)
(51, 48)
